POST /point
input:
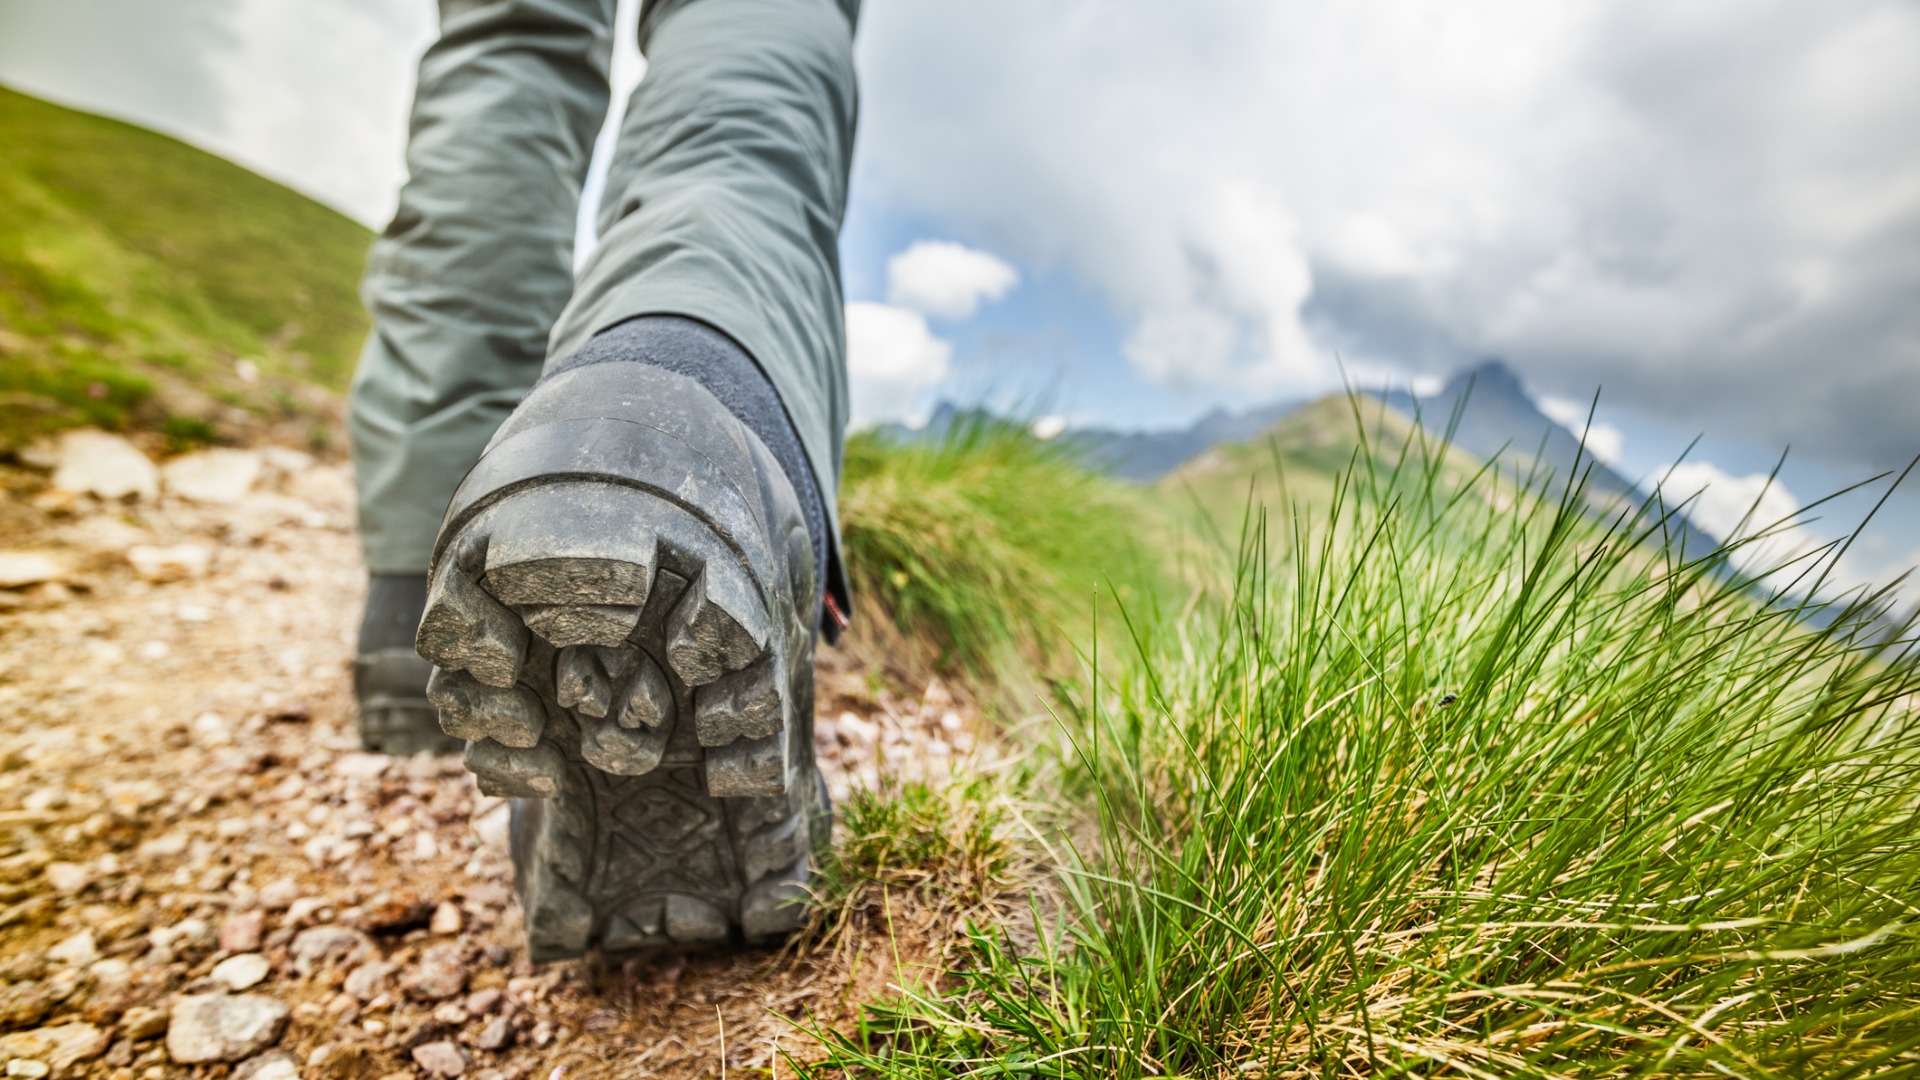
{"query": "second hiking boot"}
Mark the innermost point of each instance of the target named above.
(620, 613)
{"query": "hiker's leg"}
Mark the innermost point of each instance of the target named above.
(725, 198)
(466, 283)
(626, 588)
(464, 286)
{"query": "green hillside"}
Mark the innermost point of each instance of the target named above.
(1301, 458)
(146, 284)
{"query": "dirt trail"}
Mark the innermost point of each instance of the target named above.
(191, 844)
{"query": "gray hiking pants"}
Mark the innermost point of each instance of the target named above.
(724, 201)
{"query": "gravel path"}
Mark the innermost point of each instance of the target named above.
(201, 875)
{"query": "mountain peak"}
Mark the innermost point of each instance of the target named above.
(1489, 376)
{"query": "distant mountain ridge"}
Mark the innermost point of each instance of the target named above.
(1146, 456)
(1491, 414)
(1138, 456)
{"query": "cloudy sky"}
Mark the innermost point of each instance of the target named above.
(1137, 211)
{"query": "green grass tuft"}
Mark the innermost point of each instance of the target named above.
(984, 542)
(1448, 778)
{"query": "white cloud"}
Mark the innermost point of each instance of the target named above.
(1603, 440)
(947, 280)
(893, 359)
(312, 95)
(1739, 508)
(1686, 203)
(1050, 427)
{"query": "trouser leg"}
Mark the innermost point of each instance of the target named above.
(725, 198)
(465, 284)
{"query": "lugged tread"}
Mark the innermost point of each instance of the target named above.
(747, 704)
(470, 709)
(645, 698)
(748, 767)
(581, 682)
(714, 629)
(561, 625)
(466, 629)
(620, 750)
(535, 773)
(659, 721)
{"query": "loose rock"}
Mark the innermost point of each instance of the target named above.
(369, 980)
(76, 951)
(216, 1027)
(446, 919)
(141, 1023)
(61, 1046)
(218, 476)
(22, 568)
(242, 972)
(96, 463)
(240, 931)
(24, 1004)
(160, 564)
(496, 1035)
(442, 1058)
(67, 878)
(439, 975)
(273, 1065)
(324, 946)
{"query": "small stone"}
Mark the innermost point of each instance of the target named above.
(142, 1022)
(216, 1027)
(96, 463)
(240, 932)
(26, 1004)
(439, 975)
(188, 937)
(60, 1046)
(482, 1002)
(280, 894)
(272, 1065)
(446, 919)
(28, 1068)
(22, 568)
(242, 972)
(496, 1035)
(303, 911)
(443, 1058)
(67, 878)
(219, 476)
(161, 564)
(369, 980)
(356, 765)
(76, 951)
(285, 460)
(324, 946)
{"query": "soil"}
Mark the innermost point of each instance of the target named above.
(181, 786)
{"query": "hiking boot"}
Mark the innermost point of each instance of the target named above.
(620, 615)
(389, 678)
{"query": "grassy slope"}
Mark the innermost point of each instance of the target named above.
(1299, 460)
(136, 270)
(1443, 778)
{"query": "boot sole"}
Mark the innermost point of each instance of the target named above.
(630, 663)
